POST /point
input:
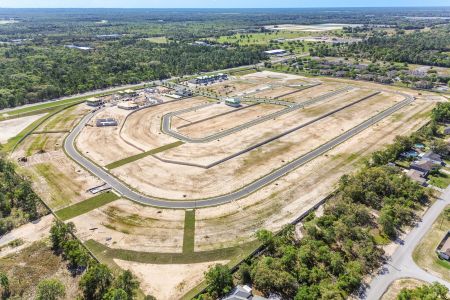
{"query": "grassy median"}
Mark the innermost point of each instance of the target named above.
(86, 206)
(133, 158)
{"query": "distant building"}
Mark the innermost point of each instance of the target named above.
(276, 52)
(183, 92)
(128, 105)
(84, 48)
(94, 102)
(209, 78)
(106, 122)
(233, 102)
(128, 93)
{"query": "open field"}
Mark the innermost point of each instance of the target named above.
(185, 182)
(11, 128)
(310, 28)
(425, 256)
(123, 224)
(166, 282)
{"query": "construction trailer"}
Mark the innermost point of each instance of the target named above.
(233, 102)
(106, 122)
(94, 102)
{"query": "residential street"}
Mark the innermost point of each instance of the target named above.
(401, 264)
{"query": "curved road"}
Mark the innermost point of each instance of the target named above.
(125, 191)
(291, 106)
(401, 263)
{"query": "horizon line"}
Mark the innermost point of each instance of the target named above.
(287, 7)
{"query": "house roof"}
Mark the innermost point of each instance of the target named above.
(431, 155)
(416, 176)
(423, 164)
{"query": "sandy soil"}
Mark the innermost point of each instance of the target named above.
(225, 122)
(282, 201)
(395, 288)
(11, 128)
(143, 127)
(92, 140)
(168, 282)
(123, 224)
(28, 233)
(200, 114)
(178, 182)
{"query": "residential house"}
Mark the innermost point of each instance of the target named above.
(417, 176)
(433, 157)
(243, 293)
(424, 166)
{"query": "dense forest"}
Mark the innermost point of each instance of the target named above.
(428, 48)
(18, 203)
(29, 74)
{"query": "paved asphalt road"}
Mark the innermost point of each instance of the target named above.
(166, 121)
(123, 189)
(401, 264)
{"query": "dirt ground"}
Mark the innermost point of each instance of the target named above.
(283, 200)
(103, 144)
(395, 288)
(182, 182)
(143, 127)
(11, 128)
(58, 180)
(123, 224)
(225, 122)
(167, 282)
(200, 114)
(28, 234)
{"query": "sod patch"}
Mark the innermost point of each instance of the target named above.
(86, 206)
(130, 159)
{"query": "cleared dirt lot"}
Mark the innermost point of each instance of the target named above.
(228, 121)
(58, 180)
(143, 127)
(182, 182)
(167, 282)
(123, 224)
(282, 201)
(103, 144)
(11, 128)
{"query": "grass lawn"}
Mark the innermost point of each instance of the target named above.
(189, 232)
(260, 38)
(130, 159)
(441, 180)
(61, 186)
(86, 206)
(425, 256)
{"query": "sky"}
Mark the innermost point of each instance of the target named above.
(216, 3)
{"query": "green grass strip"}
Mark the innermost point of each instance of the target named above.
(130, 159)
(86, 206)
(189, 232)
(236, 254)
(49, 106)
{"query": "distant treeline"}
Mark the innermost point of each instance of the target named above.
(30, 74)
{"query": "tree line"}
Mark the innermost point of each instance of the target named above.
(19, 204)
(30, 74)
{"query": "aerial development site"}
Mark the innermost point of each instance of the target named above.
(279, 159)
